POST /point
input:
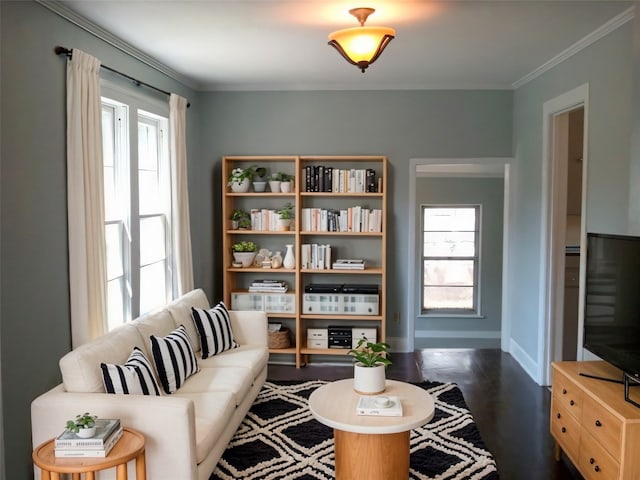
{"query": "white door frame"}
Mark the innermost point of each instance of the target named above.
(550, 225)
(461, 167)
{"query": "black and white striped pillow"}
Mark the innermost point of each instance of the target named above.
(174, 359)
(135, 377)
(214, 329)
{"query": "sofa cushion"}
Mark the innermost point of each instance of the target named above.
(180, 310)
(174, 359)
(80, 368)
(135, 377)
(236, 380)
(214, 330)
(158, 323)
(253, 357)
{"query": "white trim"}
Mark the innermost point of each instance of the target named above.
(108, 37)
(526, 362)
(613, 24)
(457, 334)
(570, 100)
(440, 165)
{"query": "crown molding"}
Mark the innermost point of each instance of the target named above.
(99, 32)
(613, 24)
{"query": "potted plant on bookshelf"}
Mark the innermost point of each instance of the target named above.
(240, 179)
(238, 216)
(244, 252)
(83, 426)
(286, 182)
(369, 368)
(259, 179)
(274, 182)
(285, 217)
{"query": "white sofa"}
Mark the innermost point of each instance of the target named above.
(186, 432)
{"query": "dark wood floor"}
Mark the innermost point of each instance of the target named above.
(510, 409)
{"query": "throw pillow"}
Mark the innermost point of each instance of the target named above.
(214, 329)
(135, 377)
(174, 358)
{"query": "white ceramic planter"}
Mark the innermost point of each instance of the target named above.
(274, 185)
(368, 380)
(241, 187)
(259, 186)
(246, 258)
(285, 187)
(86, 432)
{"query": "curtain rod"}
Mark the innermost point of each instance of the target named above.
(65, 51)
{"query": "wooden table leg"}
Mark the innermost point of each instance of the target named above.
(76, 476)
(141, 467)
(45, 475)
(89, 475)
(360, 455)
(121, 471)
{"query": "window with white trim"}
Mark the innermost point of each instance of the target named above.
(137, 188)
(450, 260)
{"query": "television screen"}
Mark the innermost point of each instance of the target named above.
(612, 300)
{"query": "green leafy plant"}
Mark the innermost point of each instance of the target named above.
(285, 177)
(238, 214)
(244, 246)
(275, 177)
(286, 212)
(371, 354)
(259, 173)
(238, 174)
(85, 420)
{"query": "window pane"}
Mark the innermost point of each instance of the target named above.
(108, 136)
(152, 287)
(449, 244)
(150, 193)
(448, 272)
(152, 240)
(115, 302)
(448, 297)
(147, 146)
(450, 219)
(115, 262)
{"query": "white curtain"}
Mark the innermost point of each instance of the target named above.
(180, 197)
(85, 199)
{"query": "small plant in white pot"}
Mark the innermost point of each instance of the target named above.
(83, 426)
(286, 182)
(286, 215)
(244, 252)
(371, 359)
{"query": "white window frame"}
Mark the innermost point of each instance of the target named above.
(138, 108)
(475, 311)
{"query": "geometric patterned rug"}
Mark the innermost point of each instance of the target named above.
(280, 440)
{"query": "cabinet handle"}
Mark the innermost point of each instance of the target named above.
(598, 423)
(564, 430)
(591, 461)
(572, 403)
(596, 468)
(558, 415)
(564, 391)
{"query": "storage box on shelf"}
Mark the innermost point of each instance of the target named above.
(339, 213)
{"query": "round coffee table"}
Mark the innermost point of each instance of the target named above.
(369, 446)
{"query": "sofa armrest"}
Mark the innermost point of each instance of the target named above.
(168, 424)
(249, 327)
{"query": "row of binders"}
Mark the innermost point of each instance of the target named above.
(352, 219)
(108, 432)
(321, 178)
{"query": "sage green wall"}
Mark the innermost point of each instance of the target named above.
(399, 124)
(634, 168)
(460, 332)
(34, 315)
(606, 67)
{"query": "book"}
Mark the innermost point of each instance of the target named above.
(91, 452)
(348, 266)
(104, 428)
(380, 406)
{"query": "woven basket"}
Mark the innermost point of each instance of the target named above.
(279, 339)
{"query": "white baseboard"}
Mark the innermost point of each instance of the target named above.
(526, 362)
(457, 334)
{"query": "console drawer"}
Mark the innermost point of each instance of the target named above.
(602, 425)
(595, 463)
(565, 429)
(568, 393)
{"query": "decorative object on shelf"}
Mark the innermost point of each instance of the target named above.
(276, 260)
(84, 425)
(244, 252)
(285, 217)
(259, 186)
(259, 174)
(286, 182)
(240, 179)
(361, 46)
(238, 217)
(279, 338)
(369, 369)
(274, 182)
(289, 260)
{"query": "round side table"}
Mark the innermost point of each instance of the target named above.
(129, 447)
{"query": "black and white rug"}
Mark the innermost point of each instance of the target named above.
(280, 440)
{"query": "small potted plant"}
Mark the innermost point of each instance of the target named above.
(274, 182)
(285, 216)
(259, 180)
(240, 179)
(244, 252)
(83, 426)
(369, 368)
(237, 216)
(286, 182)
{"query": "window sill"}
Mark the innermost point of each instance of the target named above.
(451, 315)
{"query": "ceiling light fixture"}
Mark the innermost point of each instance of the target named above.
(361, 46)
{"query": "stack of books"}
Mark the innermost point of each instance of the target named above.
(108, 432)
(348, 264)
(379, 406)
(268, 286)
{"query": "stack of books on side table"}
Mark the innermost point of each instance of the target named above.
(108, 432)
